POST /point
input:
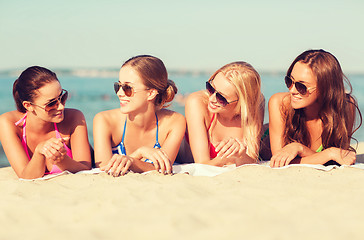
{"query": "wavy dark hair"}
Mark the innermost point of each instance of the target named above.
(338, 108)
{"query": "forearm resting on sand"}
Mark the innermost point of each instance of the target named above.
(35, 168)
(343, 157)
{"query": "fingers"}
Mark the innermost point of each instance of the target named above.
(167, 162)
(53, 150)
(161, 161)
(118, 165)
(349, 157)
(121, 168)
(230, 147)
(281, 159)
(109, 164)
(221, 144)
(239, 150)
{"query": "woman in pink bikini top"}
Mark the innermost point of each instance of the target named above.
(224, 122)
(38, 137)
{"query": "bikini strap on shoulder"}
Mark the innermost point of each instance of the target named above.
(22, 119)
(122, 139)
(157, 144)
(212, 119)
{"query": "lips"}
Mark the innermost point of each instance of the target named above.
(295, 98)
(123, 103)
(213, 106)
(59, 114)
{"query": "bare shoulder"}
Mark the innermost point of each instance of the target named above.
(11, 117)
(278, 99)
(108, 116)
(199, 99)
(170, 117)
(7, 124)
(196, 106)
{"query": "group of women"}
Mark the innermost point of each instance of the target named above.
(311, 123)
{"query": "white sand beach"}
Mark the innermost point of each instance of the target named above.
(251, 202)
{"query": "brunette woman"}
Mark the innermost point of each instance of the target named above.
(314, 122)
(141, 135)
(42, 136)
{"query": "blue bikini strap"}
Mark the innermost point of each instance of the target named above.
(157, 144)
(122, 139)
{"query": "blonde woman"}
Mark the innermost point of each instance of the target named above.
(224, 121)
(141, 135)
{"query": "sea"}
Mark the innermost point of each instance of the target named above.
(92, 92)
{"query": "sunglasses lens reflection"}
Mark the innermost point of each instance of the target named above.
(128, 90)
(116, 87)
(288, 81)
(210, 88)
(54, 104)
(219, 98)
(300, 87)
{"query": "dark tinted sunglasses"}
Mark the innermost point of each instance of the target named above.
(62, 98)
(127, 89)
(219, 98)
(300, 87)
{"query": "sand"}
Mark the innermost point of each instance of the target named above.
(251, 202)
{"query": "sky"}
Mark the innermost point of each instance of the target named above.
(186, 35)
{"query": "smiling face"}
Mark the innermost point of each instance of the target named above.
(223, 86)
(128, 76)
(45, 95)
(303, 74)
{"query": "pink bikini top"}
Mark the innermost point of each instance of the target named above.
(55, 168)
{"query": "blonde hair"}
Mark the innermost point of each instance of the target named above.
(251, 103)
(154, 75)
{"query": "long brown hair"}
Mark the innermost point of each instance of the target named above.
(250, 106)
(337, 108)
(154, 75)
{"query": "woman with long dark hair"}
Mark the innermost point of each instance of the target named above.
(42, 136)
(314, 122)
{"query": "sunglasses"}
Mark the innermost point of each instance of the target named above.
(219, 98)
(127, 89)
(62, 98)
(301, 88)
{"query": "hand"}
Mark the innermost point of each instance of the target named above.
(53, 150)
(284, 156)
(158, 157)
(341, 156)
(118, 165)
(231, 148)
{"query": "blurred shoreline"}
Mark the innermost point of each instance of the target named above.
(112, 72)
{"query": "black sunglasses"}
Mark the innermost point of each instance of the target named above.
(301, 88)
(219, 98)
(127, 89)
(62, 98)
